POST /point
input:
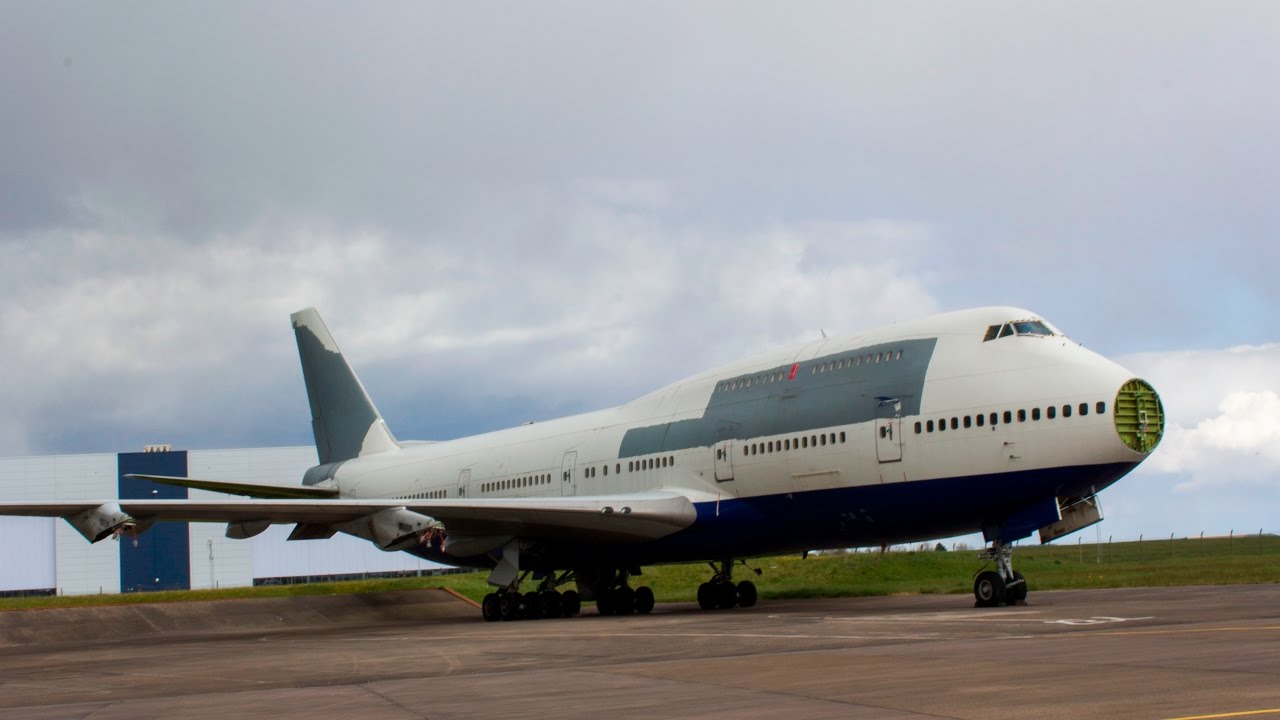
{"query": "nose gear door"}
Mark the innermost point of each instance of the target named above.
(888, 428)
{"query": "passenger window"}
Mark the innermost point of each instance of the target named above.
(968, 422)
(1100, 408)
(823, 438)
(942, 425)
(804, 442)
(786, 444)
(995, 419)
(842, 437)
(981, 419)
(929, 425)
(1035, 414)
(1066, 411)
(955, 423)
(918, 428)
(1022, 415)
(1051, 411)
(1084, 409)
(1008, 417)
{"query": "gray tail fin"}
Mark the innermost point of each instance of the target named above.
(343, 418)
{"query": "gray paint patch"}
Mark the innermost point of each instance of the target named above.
(812, 400)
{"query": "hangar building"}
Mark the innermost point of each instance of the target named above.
(47, 555)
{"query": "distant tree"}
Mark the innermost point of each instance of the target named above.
(940, 548)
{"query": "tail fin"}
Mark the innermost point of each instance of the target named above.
(343, 418)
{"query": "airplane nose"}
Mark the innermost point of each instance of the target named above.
(1139, 416)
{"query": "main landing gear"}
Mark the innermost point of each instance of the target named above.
(1004, 585)
(545, 602)
(720, 592)
(615, 596)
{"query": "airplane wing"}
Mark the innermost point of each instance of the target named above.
(613, 518)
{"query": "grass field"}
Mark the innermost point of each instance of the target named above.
(1152, 563)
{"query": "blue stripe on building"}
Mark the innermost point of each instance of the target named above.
(160, 558)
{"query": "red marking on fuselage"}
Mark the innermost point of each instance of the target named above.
(794, 368)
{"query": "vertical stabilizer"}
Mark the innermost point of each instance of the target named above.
(343, 418)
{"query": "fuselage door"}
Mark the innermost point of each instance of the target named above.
(888, 430)
(568, 474)
(464, 479)
(724, 460)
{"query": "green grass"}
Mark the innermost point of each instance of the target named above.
(1152, 563)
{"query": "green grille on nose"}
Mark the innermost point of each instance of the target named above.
(1139, 416)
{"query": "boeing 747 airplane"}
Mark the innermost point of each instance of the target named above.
(987, 420)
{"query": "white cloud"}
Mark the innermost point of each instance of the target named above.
(127, 340)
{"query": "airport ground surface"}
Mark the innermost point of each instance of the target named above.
(1132, 653)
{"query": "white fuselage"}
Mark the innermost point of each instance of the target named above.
(877, 437)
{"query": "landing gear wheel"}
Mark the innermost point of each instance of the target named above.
(706, 596)
(570, 603)
(490, 607)
(989, 589)
(624, 600)
(606, 602)
(509, 606)
(552, 606)
(747, 594)
(1016, 591)
(644, 600)
(532, 606)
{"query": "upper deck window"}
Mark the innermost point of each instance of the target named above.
(1019, 327)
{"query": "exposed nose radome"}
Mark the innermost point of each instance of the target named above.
(1139, 416)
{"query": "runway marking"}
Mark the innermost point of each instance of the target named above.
(1242, 713)
(1181, 631)
(1096, 620)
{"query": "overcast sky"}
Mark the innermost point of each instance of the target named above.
(517, 211)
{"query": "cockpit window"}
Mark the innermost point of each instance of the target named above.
(1019, 327)
(1032, 327)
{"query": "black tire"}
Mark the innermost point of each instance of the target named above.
(509, 606)
(606, 603)
(988, 589)
(532, 606)
(726, 595)
(490, 608)
(552, 607)
(644, 600)
(1016, 591)
(570, 603)
(747, 594)
(706, 597)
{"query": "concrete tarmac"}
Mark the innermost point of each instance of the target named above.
(1136, 653)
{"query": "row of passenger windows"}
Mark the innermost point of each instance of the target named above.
(857, 361)
(652, 463)
(829, 366)
(1007, 416)
(803, 442)
(527, 481)
(426, 495)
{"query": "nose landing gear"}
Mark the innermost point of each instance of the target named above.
(1002, 586)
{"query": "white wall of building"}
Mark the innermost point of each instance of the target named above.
(83, 568)
(26, 554)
